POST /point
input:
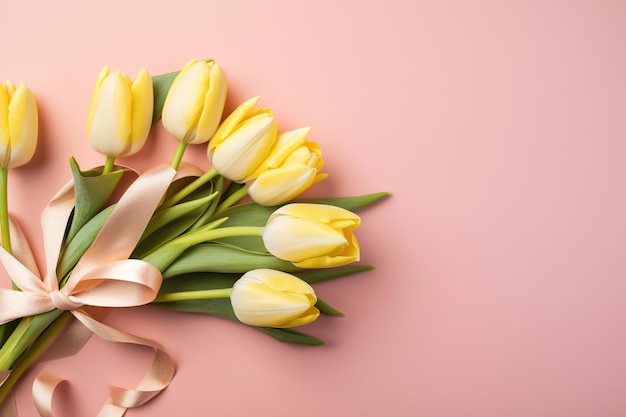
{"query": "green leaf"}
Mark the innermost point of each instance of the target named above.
(173, 213)
(161, 85)
(313, 276)
(218, 183)
(325, 308)
(212, 257)
(221, 307)
(349, 203)
(79, 244)
(164, 256)
(291, 336)
(91, 191)
(250, 214)
(171, 222)
(198, 282)
(163, 235)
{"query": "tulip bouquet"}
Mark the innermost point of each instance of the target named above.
(232, 241)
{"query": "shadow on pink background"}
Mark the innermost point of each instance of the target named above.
(499, 129)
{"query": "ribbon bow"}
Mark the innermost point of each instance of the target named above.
(103, 277)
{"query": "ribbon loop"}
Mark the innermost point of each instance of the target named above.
(103, 277)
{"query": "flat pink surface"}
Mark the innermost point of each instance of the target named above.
(500, 130)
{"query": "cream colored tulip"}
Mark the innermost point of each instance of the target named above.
(120, 114)
(312, 235)
(19, 125)
(291, 168)
(243, 141)
(195, 102)
(270, 298)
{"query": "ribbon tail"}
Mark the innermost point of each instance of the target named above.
(21, 248)
(43, 390)
(72, 337)
(154, 381)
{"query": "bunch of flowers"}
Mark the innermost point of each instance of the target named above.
(232, 241)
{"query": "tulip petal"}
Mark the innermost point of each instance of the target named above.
(184, 102)
(279, 185)
(304, 318)
(5, 134)
(323, 212)
(141, 110)
(23, 126)
(231, 122)
(110, 127)
(214, 101)
(245, 148)
(295, 239)
(286, 144)
(94, 97)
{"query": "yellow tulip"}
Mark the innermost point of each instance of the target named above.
(19, 125)
(291, 168)
(270, 298)
(312, 235)
(120, 114)
(195, 102)
(243, 140)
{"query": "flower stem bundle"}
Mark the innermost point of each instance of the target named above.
(231, 240)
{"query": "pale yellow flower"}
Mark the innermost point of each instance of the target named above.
(194, 104)
(242, 141)
(292, 166)
(120, 114)
(312, 235)
(270, 298)
(19, 125)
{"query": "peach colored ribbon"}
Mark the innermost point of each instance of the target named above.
(103, 277)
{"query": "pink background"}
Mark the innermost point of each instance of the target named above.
(498, 127)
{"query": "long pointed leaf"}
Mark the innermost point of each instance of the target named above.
(349, 203)
(222, 308)
(161, 86)
(219, 258)
(91, 191)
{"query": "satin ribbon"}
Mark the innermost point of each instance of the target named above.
(103, 277)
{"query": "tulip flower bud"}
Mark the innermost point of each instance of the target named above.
(120, 114)
(18, 125)
(195, 102)
(291, 168)
(270, 298)
(243, 141)
(312, 235)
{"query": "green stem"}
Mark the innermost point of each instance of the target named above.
(162, 257)
(33, 353)
(108, 164)
(201, 235)
(211, 207)
(194, 295)
(178, 155)
(193, 186)
(26, 332)
(4, 210)
(232, 199)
